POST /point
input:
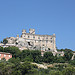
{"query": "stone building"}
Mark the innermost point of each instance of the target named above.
(33, 41)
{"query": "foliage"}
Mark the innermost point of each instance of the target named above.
(72, 62)
(1, 49)
(68, 54)
(5, 41)
(69, 71)
(56, 72)
(13, 50)
(20, 64)
(48, 57)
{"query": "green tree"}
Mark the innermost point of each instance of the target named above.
(1, 49)
(13, 50)
(48, 57)
(69, 71)
(36, 55)
(8, 68)
(68, 54)
(5, 41)
(56, 72)
(72, 62)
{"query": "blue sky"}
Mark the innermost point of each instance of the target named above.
(46, 16)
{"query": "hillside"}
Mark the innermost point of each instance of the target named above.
(30, 62)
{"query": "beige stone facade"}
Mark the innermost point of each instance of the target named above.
(39, 41)
(33, 41)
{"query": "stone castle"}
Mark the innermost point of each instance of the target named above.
(33, 41)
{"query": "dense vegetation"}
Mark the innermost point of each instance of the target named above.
(20, 64)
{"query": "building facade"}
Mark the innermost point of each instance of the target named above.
(7, 56)
(33, 41)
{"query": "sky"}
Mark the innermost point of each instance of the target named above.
(45, 16)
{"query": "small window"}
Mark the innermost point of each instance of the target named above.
(47, 41)
(46, 37)
(0, 58)
(28, 36)
(29, 43)
(0, 54)
(50, 38)
(38, 37)
(4, 55)
(33, 36)
(43, 45)
(35, 41)
(51, 41)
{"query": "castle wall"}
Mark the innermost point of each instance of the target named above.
(41, 40)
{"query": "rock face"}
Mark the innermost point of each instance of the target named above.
(32, 41)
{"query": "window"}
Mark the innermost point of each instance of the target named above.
(28, 36)
(51, 41)
(46, 37)
(0, 54)
(47, 41)
(43, 45)
(50, 38)
(29, 43)
(0, 58)
(9, 55)
(35, 41)
(33, 36)
(4, 55)
(38, 37)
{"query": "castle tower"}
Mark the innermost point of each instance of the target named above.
(17, 36)
(23, 31)
(32, 31)
(54, 44)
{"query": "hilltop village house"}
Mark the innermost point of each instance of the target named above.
(6, 56)
(33, 41)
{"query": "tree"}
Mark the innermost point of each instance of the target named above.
(1, 49)
(36, 55)
(72, 62)
(59, 59)
(5, 41)
(68, 54)
(48, 57)
(56, 72)
(13, 50)
(69, 71)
